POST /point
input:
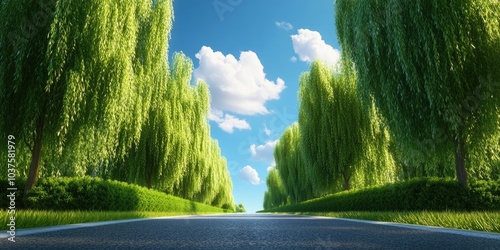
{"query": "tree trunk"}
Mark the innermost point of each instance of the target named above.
(36, 154)
(149, 166)
(347, 182)
(460, 155)
(148, 177)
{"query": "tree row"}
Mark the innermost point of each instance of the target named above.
(417, 94)
(86, 89)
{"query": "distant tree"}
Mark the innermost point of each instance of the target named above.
(275, 196)
(240, 208)
(431, 66)
(291, 166)
(333, 123)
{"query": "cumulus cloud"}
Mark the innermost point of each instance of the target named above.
(284, 25)
(309, 46)
(293, 59)
(228, 122)
(239, 85)
(263, 152)
(250, 175)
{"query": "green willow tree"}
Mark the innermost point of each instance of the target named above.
(198, 170)
(176, 153)
(275, 196)
(333, 123)
(291, 166)
(75, 78)
(377, 165)
(339, 142)
(431, 66)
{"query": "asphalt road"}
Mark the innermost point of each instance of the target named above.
(249, 231)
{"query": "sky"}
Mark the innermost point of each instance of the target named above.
(251, 54)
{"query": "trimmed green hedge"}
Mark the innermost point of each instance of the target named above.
(431, 194)
(95, 194)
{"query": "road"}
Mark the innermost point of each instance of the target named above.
(248, 231)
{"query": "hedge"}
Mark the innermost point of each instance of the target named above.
(86, 194)
(431, 194)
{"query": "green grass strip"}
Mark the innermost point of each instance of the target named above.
(31, 218)
(479, 221)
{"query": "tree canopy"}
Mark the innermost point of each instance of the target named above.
(86, 89)
(431, 67)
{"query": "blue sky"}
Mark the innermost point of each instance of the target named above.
(251, 53)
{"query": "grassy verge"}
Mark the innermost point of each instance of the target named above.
(61, 201)
(424, 194)
(479, 221)
(32, 218)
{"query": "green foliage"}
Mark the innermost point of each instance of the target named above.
(101, 99)
(338, 143)
(98, 66)
(23, 71)
(343, 141)
(432, 69)
(431, 194)
(377, 165)
(60, 194)
(43, 218)
(292, 167)
(275, 196)
(176, 153)
(316, 127)
(478, 221)
(240, 208)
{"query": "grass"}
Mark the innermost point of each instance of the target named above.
(62, 201)
(32, 218)
(479, 221)
(422, 201)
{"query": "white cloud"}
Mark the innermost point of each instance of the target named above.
(228, 122)
(309, 46)
(263, 152)
(271, 168)
(293, 59)
(237, 85)
(284, 25)
(250, 175)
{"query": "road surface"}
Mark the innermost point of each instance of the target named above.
(248, 231)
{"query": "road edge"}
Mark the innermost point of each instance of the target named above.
(38, 230)
(464, 232)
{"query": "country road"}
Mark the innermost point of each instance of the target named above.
(249, 231)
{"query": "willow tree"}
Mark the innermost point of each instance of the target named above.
(71, 79)
(291, 166)
(431, 66)
(275, 196)
(315, 128)
(175, 153)
(377, 165)
(333, 122)
(150, 67)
